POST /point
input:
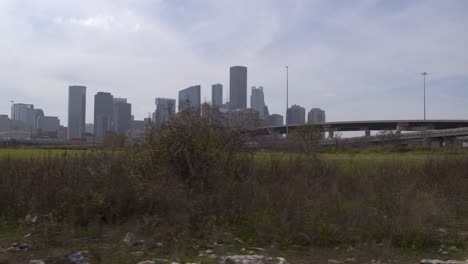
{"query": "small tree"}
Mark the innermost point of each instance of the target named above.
(115, 140)
(306, 139)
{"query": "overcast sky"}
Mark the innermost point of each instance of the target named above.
(355, 59)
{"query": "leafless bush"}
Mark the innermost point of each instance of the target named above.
(193, 178)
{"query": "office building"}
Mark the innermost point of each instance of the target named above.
(217, 95)
(122, 118)
(48, 126)
(238, 87)
(274, 120)
(4, 123)
(165, 109)
(62, 132)
(295, 115)
(190, 98)
(76, 112)
(257, 101)
(89, 129)
(24, 113)
(315, 116)
(103, 114)
(38, 113)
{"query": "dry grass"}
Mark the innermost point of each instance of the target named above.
(193, 182)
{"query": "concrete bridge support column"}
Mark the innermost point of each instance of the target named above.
(368, 133)
(436, 143)
(451, 142)
(331, 133)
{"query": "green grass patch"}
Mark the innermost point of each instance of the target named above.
(28, 153)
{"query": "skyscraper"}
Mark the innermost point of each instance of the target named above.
(257, 101)
(38, 113)
(296, 115)
(103, 114)
(76, 111)
(238, 87)
(24, 113)
(274, 120)
(217, 94)
(48, 126)
(190, 98)
(316, 115)
(122, 115)
(165, 109)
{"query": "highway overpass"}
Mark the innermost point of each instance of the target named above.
(374, 125)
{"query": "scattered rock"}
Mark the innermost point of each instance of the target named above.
(138, 254)
(78, 258)
(129, 239)
(12, 249)
(334, 261)
(349, 249)
(147, 262)
(23, 247)
(251, 259)
(437, 261)
(442, 232)
(453, 249)
(161, 261)
(350, 260)
(30, 219)
(35, 261)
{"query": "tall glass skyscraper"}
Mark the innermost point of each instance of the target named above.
(103, 113)
(257, 101)
(238, 87)
(165, 109)
(217, 94)
(76, 111)
(190, 98)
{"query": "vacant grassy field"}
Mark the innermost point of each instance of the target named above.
(27, 153)
(191, 185)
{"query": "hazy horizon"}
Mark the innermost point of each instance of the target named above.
(355, 61)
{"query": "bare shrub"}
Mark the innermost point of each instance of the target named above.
(193, 178)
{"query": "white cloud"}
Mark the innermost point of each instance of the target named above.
(353, 56)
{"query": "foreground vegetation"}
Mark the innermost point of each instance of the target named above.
(191, 182)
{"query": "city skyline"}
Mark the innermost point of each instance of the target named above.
(372, 67)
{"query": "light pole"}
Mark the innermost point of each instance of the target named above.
(12, 104)
(287, 98)
(424, 74)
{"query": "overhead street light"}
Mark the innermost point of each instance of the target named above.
(287, 99)
(424, 74)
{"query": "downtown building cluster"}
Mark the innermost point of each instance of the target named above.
(114, 115)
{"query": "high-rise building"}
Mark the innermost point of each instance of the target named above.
(24, 113)
(238, 87)
(295, 115)
(103, 114)
(257, 101)
(274, 120)
(38, 113)
(4, 123)
(217, 95)
(190, 98)
(48, 126)
(316, 115)
(122, 118)
(76, 111)
(165, 109)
